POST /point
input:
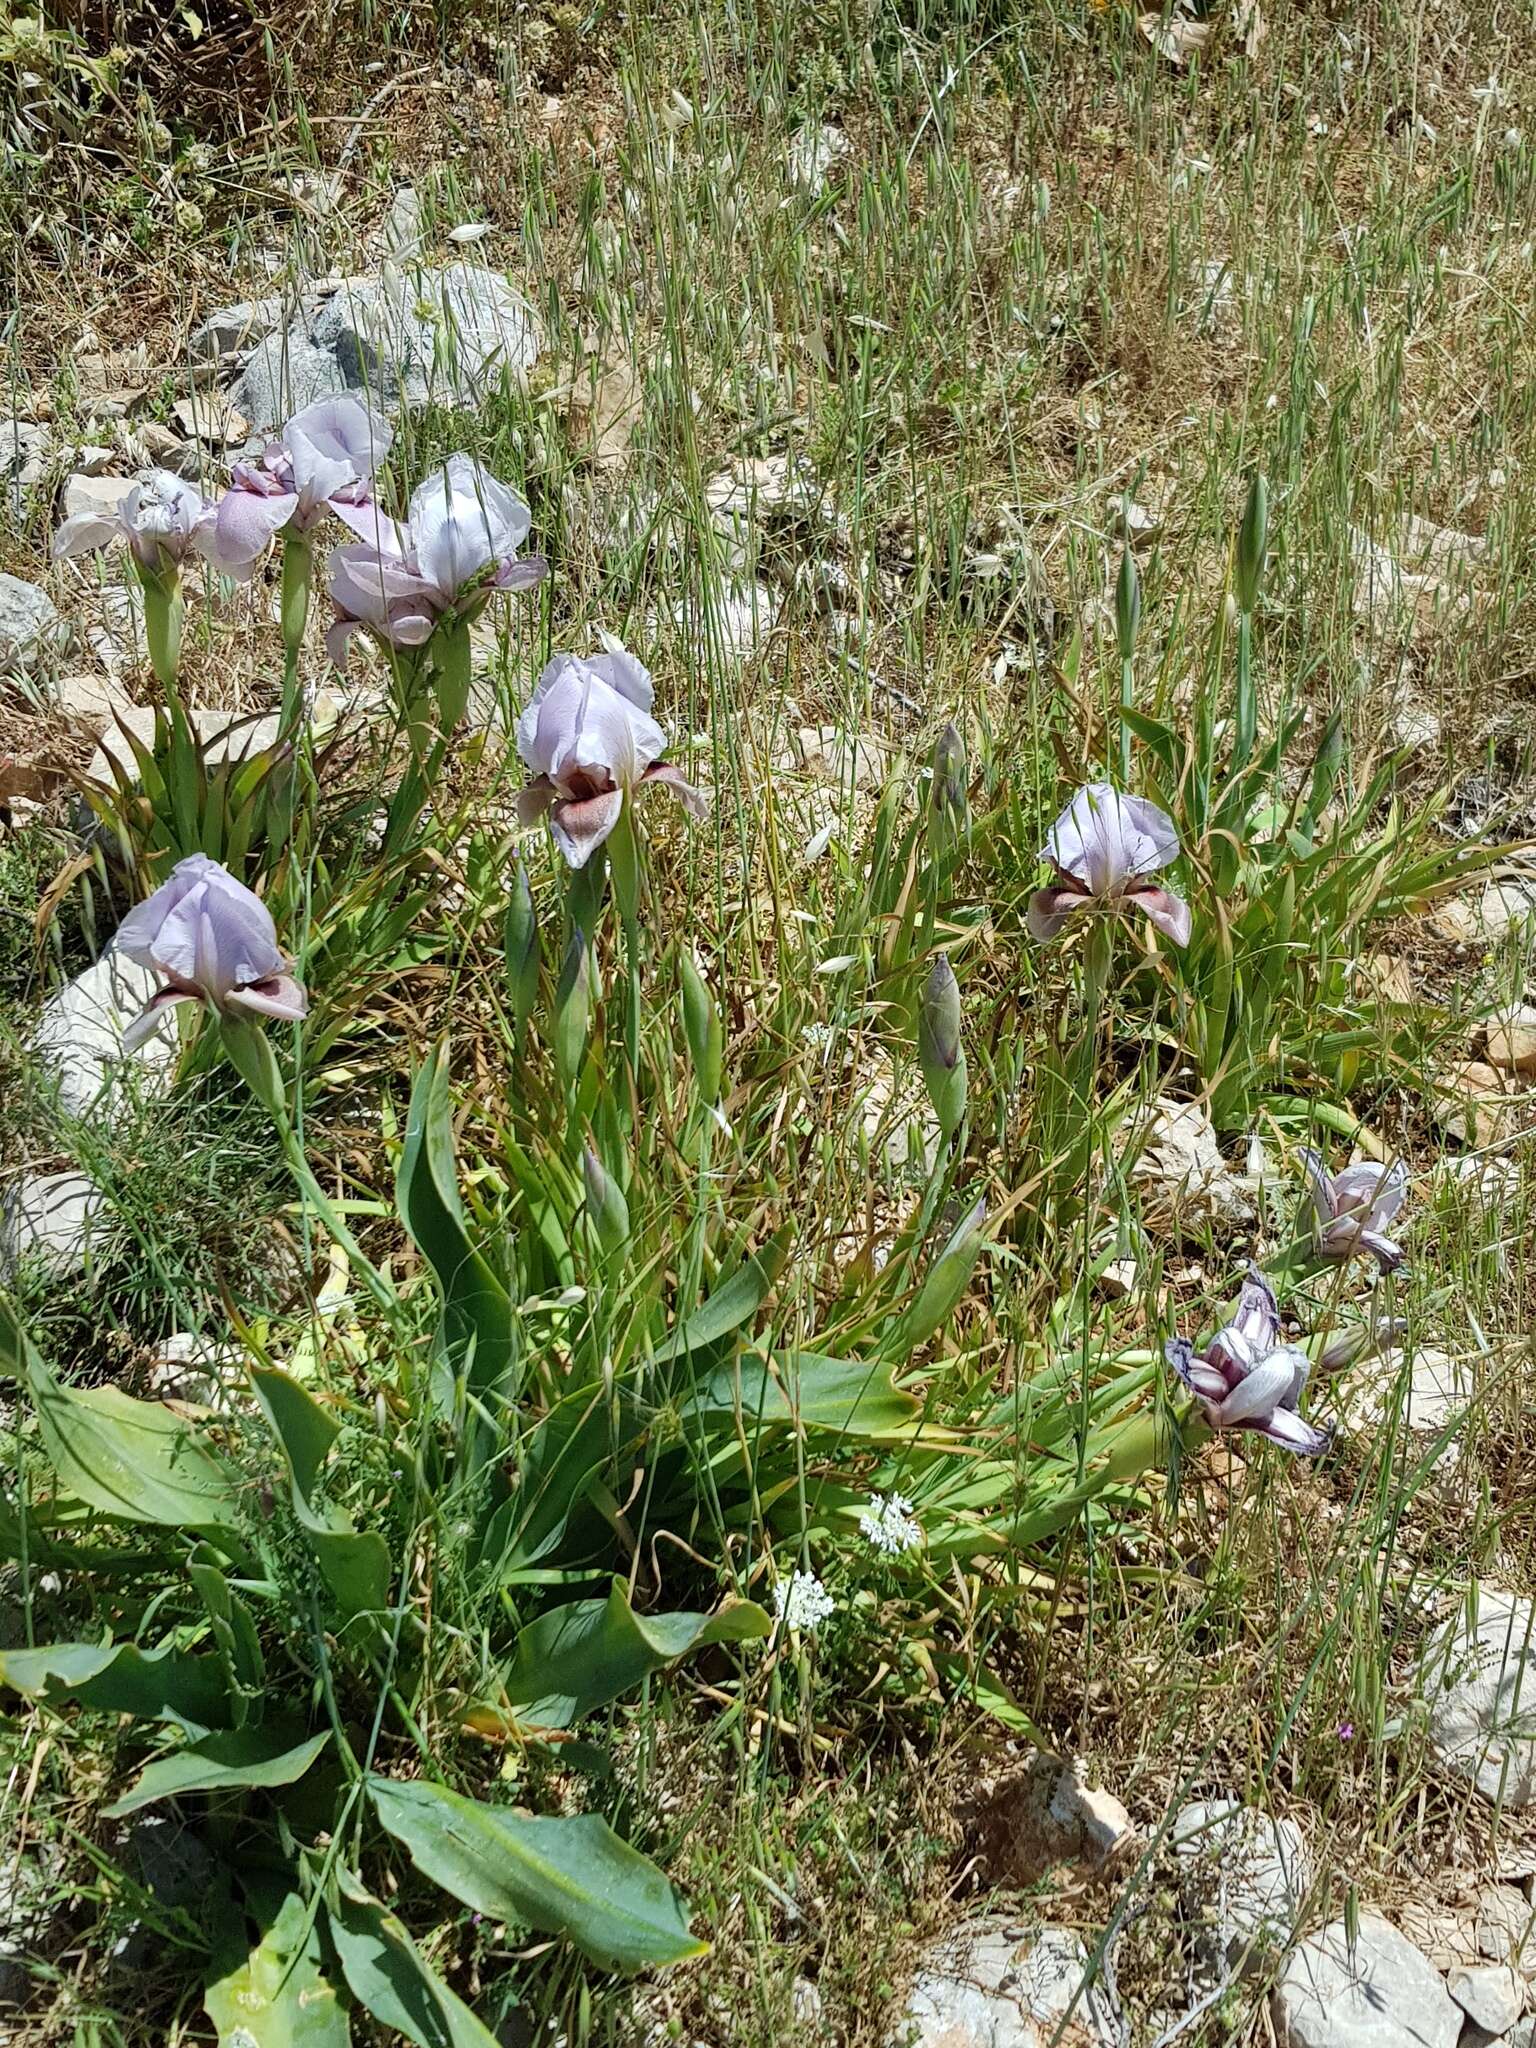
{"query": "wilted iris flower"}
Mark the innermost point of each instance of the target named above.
(1103, 846)
(1354, 1207)
(457, 544)
(209, 939)
(1248, 1379)
(327, 455)
(160, 519)
(590, 740)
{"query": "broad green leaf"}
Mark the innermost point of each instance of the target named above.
(477, 1310)
(579, 1657)
(244, 1756)
(134, 1460)
(572, 1877)
(388, 1975)
(731, 1305)
(355, 1564)
(154, 1685)
(304, 1429)
(277, 1996)
(849, 1396)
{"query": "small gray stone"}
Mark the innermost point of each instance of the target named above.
(1504, 1925)
(51, 1219)
(1249, 1871)
(1491, 1995)
(25, 450)
(1380, 1993)
(94, 461)
(997, 1984)
(79, 1036)
(30, 627)
(405, 338)
(99, 494)
(1439, 1387)
(238, 326)
(1480, 1682)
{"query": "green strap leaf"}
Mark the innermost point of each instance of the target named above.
(848, 1396)
(154, 1685)
(571, 1877)
(731, 1305)
(387, 1974)
(277, 1996)
(241, 1757)
(134, 1460)
(477, 1310)
(580, 1656)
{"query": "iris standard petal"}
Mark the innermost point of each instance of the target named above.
(622, 672)
(374, 528)
(1258, 1312)
(462, 520)
(137, 933)
(335, 442)
(1092, 839)
(1388, 1254)
(1259, 1393)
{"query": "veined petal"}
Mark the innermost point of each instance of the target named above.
(1293, 1433)
(1388, 1254)
(146, 1023)
(671, 777)
(581, 824)
(374, 528)
(85, 532)
(1050, 908)
(1168, 912)
(279, 995)
(1258, 1393)
(1319, 1183)
(243, 527)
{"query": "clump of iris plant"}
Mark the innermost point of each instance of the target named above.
(1103, 848)
(210, 940)
(589, 741)
(1354, 1207)
(1246, 1378)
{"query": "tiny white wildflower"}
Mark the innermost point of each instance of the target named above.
(817, 1036)
(890, 1525)
(802, 1601)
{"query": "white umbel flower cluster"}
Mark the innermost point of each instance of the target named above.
(802, 1601)
(889, 1524)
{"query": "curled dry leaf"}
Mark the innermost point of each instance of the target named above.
(1177, 38)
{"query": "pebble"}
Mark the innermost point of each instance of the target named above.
(99, 494)
(1491, 1995)
(406, 338)
(1180, 1164)
(1378, 1993)
(30, 627)
(1512, 1040)
(831, 755)
(49, 1218)
(79, 1036)
(1249, 1871)
(238, 326)
(208, 418)
(1484, 919)
(1480, 1684)
(997, 1984)
(1504, 1925)
(1438, 1387)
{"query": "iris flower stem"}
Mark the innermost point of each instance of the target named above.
(252, 1057)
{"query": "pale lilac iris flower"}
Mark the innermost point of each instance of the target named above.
(210, 940)
(589, 741)
(160, 519)
(1103, 847)
(327, 456)
(1355, 1206)
(457, 544)
(1248, 1379)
